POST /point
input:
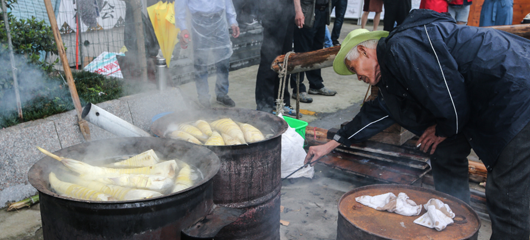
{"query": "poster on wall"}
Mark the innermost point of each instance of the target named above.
(94, 15)
(355, 9)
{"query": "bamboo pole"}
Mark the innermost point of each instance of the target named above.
(12, 57)
(83, 125)
(322, 58)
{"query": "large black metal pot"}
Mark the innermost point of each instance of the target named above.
(157, 218)
(250, 174)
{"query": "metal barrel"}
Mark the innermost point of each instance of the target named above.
(156, 218)
(250, 174)
(357, 221)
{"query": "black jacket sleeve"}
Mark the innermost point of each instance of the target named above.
(426, 68)
(371, 119)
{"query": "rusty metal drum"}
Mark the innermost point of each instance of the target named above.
(250, 174)
(357, 221)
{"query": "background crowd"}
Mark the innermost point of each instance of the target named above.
(299, 26)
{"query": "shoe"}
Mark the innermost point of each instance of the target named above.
(336, 43)
(289, 111)
(323, 91)
(304, 97)
(205, 103)
(226, 101)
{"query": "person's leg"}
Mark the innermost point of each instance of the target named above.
(390, 14)
(486, 14)
(508, 190)
(376, 20)
(314, 77)
(327, 42)
(340, 11)
(462, 13)
(201, 81)
(504, 14)
(303, 40)
(221, 84)
(277, 40)
(452, 11)
(271, 47)
(403, 10)
(364, 19)
(450, 167)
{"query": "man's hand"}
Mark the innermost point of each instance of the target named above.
(299, 19)
(316, 152)
(235, 31)
(184, 38)
(429, 139)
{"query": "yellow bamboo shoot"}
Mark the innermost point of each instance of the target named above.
(215, 140)
(118, 192)
(229, 140)
(183, 180)
(251, 133)
(184, 136)
(165, 169)
(227, 126)
(75, 191)
(150, 182)
(145, 159)
(193, 131)
(204, 127)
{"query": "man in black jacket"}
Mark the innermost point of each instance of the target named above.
(457, 87)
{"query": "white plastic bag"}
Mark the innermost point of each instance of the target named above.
(293, 155)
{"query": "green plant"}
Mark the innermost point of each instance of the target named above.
(53, 96)
(30, 39)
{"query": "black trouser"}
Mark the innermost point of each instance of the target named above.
(507, 187)
(508, 190)
(310, 39)
(450, 167)
(278, 27)
(395, 11)
(340, 9)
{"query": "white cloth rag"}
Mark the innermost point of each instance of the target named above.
(438, 215)
(388, 201)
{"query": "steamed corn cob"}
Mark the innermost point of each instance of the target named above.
(251, 133)
(183, 180)
(229, 140)
(145, 159)
(117, 192)
(227, 126)
(75, 191)
(215, 140)
(193, 131)
(184, 136)
(204, 127)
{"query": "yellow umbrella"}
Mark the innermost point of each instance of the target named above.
(162, 17)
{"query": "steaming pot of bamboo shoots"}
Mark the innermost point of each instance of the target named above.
(249, 177)
(68, 210)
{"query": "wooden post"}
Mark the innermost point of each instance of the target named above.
(83, 125)
(140, 39)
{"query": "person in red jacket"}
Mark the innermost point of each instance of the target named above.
(459, 10)
(435, 5)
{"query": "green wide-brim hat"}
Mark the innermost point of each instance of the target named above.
(354, 37)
